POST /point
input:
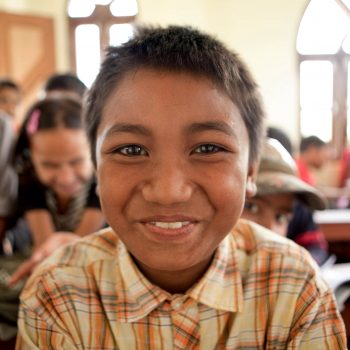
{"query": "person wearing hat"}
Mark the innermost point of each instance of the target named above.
(282, 195)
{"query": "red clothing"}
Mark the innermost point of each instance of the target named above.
(304, 172)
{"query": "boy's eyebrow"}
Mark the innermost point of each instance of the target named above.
(192, 129)
(212, 125)
(128, 128)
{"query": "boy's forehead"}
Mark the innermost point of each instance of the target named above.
(152, 87)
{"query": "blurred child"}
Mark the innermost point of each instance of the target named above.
(64, 85)
(57, 191)
(10, 96)
(8, 176)
(175, 125)
(9, 100)
(302, 228)
(313, 153)
(279, 190)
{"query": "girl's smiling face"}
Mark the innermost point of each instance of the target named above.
(61, 159)
(173, 168)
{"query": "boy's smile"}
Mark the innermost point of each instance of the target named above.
(172, 165)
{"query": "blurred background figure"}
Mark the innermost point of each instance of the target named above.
(313, 154)
(8, 176)
(57, 191)
(64, 85)
(10, 97)
(279, 190)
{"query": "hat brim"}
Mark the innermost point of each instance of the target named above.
(271, 182)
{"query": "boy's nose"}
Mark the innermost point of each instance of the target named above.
(168, 184)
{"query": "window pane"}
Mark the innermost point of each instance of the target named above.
(80, 8)
(346, 43)
(124, 8)
(102, 2)
(120, 33)
(87, 45)
(322, 28)
(316, 122)
(316, 84)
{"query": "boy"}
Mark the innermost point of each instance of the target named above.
(313, 153)
(175, 124)
(64, 85)
(279, 191)
(10, 97)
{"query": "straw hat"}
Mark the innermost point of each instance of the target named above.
(277, 174)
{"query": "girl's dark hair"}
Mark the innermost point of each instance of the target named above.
(44, 115)
(65, 82)
(178, 49)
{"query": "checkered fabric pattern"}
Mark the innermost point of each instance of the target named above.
(260, 292)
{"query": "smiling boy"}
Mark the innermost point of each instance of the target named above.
(175, 125)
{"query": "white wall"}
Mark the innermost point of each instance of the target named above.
(262, 31)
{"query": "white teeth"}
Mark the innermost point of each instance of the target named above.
(170, 225)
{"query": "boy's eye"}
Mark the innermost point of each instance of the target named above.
(132, 150)
(207, 148)
(283, 218)
(251, 207)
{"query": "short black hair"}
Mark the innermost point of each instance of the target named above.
(311, 141)
(8, 84)
(65, 82)
(178, 49)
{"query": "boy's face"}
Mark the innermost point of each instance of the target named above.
(271, 211)
(172, 167)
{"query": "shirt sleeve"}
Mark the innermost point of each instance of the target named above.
(43, 327)
(317, 322)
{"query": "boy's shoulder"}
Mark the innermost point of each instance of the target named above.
(101, 245)
(251, 236)
(81, 254)
(257, 245)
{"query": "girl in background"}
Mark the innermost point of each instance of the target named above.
(57, 190)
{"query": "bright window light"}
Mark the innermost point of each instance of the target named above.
(120, 33)
(87, 39)
(316, 84)
(120, 8)
(316, 98)
(323, 28)
(102, 2)
(316, 122)
(80, 8)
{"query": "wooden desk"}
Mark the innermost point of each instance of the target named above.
(335, 223)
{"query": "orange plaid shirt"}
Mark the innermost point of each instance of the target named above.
(260, 292)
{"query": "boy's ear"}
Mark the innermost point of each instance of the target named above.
(251, 189)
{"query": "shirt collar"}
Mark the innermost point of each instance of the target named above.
(220, 287)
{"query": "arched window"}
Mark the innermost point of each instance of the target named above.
(323, 44)
(93, 25)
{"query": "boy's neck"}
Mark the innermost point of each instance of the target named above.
(175, 282)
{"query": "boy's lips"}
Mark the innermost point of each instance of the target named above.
(169, 227)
